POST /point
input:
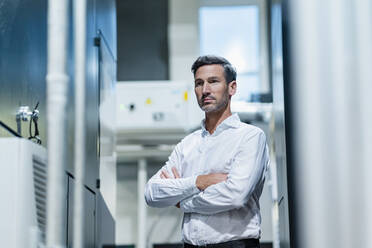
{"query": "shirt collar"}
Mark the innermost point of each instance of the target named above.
(231, 121)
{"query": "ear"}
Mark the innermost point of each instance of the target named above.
(232, 88)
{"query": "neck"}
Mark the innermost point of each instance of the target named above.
(213, 119)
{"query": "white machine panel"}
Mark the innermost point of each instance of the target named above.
(23, 190)
(156, 106)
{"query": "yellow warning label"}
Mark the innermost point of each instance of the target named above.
(185, 96)
(148, 101)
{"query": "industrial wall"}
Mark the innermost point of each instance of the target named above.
(23, 62)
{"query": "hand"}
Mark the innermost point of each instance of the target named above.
(165, 175)
(204, 181)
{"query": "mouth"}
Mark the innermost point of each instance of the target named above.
(207, 100)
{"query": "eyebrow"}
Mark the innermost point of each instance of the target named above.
(210, 78)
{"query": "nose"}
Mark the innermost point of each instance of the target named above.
(206, 88)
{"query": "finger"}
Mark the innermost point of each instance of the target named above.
(162, 175)
(166, 175)
(175, 172)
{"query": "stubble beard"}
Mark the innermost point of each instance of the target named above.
(216, 107)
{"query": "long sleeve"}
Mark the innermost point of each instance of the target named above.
(247, 171)
(168, 192)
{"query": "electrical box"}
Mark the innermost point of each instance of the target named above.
(23, 190)
(156, 107)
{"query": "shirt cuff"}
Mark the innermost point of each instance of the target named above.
(193, 190)
(191, 185)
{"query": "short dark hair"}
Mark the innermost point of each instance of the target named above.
(230, 72)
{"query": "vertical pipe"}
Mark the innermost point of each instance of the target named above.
(79, 11)
(340, 94)
(142, 177)
(57, 80)
(306, 61)
(363, 19)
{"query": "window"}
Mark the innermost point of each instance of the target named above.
(233, 32)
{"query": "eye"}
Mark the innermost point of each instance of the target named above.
(198, 83)
(213, 80)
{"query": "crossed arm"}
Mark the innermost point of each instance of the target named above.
(168, 189)
(202, 182)
(212, 193)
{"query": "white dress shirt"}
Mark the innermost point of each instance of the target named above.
(225, 211)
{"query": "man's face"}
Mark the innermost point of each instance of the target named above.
(212, 91)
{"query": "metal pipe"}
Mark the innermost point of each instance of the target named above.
(310, 180)
(338, 88)
(57, 81)
(79, 12)
(142, 178)
(363, 17)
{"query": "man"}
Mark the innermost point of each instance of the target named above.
(215, 175)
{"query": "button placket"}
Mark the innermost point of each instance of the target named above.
(202, 149)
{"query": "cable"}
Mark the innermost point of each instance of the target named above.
(6, 127)
(33, 119)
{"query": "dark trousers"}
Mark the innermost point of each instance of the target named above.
(243, 243)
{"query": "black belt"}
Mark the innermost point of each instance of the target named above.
(242, 243)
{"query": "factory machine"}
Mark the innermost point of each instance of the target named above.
(153, 112)
(24, 182)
